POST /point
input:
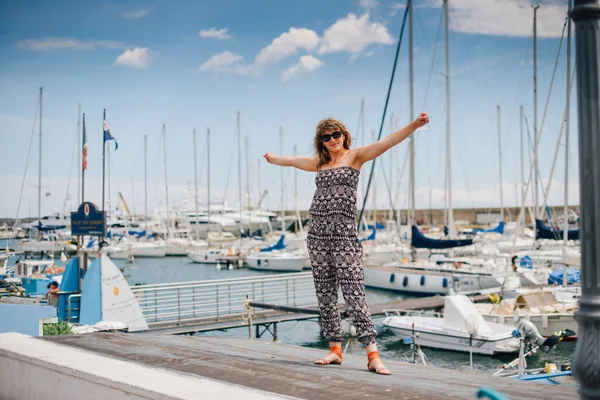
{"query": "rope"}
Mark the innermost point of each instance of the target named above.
(362, 210)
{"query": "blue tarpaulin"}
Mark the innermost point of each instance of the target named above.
(556, 277)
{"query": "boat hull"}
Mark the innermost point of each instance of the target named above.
(454, 342)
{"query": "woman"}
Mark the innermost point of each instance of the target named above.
(333, 244)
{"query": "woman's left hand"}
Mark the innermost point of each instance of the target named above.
(422, 120)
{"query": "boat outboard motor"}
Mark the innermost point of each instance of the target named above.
(530, 332)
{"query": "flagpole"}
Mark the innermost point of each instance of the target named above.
(82, 166)
(103, 165)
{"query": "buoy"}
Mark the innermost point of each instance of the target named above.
(218, 266)
(230, 267)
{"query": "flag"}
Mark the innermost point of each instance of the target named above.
(108, 135)
(84, 150)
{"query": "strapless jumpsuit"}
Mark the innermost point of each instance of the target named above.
(336, 254)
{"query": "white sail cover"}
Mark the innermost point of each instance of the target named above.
(118, 301)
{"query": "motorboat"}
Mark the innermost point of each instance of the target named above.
(460, 328)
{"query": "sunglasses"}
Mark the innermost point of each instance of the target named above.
(336, 135)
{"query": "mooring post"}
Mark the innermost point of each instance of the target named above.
(586, 360)
(275, 331)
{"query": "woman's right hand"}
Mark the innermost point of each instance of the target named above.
(270, 157)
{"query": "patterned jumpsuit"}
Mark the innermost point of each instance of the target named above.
(336, 254)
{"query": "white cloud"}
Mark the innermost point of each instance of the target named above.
(137, 58)
(507, 17)
(129, 14)
(353, 34)
(287, 44)
(215, 33)
(135, 14)
(368, 4)
(66, 43)
(307, 63)
(220, 62)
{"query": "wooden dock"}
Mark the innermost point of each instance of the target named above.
(287, 370)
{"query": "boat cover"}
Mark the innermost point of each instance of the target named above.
(543, 231)
(420, 241)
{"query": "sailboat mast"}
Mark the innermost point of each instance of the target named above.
(391, 210)
(448, 148)
(247, 143)
(208, 177)
(535, 116)
(40, 171)
(79, 149)
(259, 186)
(522, 162)
(196, 185)
(282, 188)
(166, 180)
(239, 137)
(567, 131)
(500, 165)
(146, 179)
(362, 136)
(298, 224)
(411, 143)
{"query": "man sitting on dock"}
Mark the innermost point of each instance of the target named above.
(52, 294)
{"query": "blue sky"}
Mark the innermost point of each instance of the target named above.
(192, 64)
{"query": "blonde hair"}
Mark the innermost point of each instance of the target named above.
(321, 152)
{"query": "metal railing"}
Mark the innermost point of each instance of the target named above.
(223, 299)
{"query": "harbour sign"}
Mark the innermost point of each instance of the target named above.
(87, 220)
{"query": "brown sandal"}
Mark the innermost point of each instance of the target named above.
(337, 350)
(373, 355)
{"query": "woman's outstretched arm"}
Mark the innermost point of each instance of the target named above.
(374, 150)
(303, 163)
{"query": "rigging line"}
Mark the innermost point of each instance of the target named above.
(510, 121)
(27, 161)
(562, 127)
(401, 174)
(437, 40)
(389, 190)
(539, 134)
(233, 147)
(362, 210)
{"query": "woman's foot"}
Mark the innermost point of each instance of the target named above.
(334, 357)
(374, 362)
(377, 366)
(330, 358)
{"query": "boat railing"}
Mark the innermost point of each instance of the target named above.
(223, 299)
(412, 313)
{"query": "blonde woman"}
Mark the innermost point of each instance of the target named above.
(333, 244)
